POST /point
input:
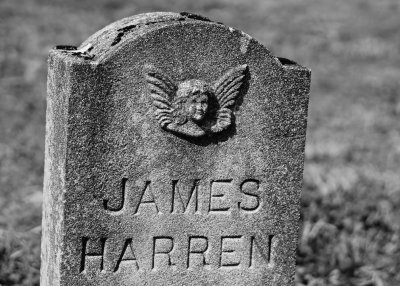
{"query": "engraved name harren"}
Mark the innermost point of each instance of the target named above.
(194, 107)
(166, 252)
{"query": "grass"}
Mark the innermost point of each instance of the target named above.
(351, 198)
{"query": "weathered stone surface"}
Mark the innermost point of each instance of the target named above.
(205, 192)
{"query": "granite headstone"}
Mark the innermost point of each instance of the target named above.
(174, 156)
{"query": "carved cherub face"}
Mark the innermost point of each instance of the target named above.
(195, 94)
(184, 108)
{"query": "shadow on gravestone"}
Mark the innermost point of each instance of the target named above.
(174, 156)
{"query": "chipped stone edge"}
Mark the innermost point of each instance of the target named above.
(102, 44)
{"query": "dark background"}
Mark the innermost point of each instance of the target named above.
(351, 198)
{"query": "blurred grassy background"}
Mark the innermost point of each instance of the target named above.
(351, 198)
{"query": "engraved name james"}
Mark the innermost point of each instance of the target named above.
(192, 196)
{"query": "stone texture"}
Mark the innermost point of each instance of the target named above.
(129, 201)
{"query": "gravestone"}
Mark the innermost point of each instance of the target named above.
(174, 156)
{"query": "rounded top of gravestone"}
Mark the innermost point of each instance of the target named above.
(101, 46)
(195, 71)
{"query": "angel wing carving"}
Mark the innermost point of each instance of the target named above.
(184, 108)
(226, 90)
(162, 90)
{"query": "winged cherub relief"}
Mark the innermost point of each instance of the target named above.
(195, 107)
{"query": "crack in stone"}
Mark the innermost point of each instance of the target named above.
(185, 15)
(195, 16)
(124, 30)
